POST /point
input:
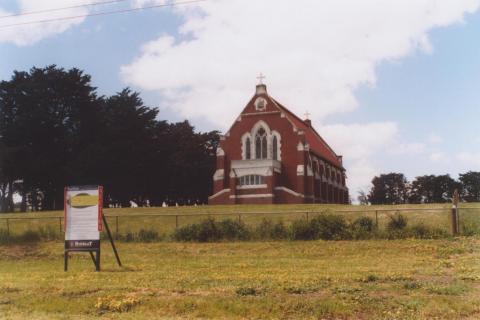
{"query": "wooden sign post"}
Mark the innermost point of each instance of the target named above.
(83, 222)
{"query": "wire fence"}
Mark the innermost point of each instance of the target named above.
(165, 224)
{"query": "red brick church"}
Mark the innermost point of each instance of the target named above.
(270, 155)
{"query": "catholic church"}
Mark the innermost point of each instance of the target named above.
(270, 155)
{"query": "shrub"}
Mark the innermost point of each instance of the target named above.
(330, 227)
(421, 231)
(269, 230)
(279, 231)
(149, 235)
(3, 236)
(187, 233)
(363, 228)
(233, 230)
(302, 230)
(208, 231)
(29, 236)
(397, 222)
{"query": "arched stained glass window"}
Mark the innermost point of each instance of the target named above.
(261, 144)
(275, 148)
(247, 149)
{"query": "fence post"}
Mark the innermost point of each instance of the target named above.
(116, 227)
(306, 214)
(239, 218)
(376, 218)
(60, 224)
(176, 221)
(454, 220)
(8, 228)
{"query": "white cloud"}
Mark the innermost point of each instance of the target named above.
(470, 160)
(314, 53)
(434, 138)
(359, 143)
(407, 148)
(32, 33)
(437, 156)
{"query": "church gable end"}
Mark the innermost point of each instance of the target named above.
(269, 155)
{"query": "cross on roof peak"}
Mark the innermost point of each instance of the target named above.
(307, 115)
(260, 78)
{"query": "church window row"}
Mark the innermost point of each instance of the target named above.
(252, 179)
(329, 172)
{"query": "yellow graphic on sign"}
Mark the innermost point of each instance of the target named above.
(83, 200)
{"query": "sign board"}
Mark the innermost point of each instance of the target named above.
(83, 218)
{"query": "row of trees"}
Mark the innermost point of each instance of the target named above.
(55, 130)
(394, 188)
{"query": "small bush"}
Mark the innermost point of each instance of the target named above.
(421, 231)
(302, 230)
(330, 227)
(29, 236)
(208, 231)
(3, 236)
(148, 235)
(363, 228)
(397, 222)
(233, 230)
(267, 230)
(187, 233)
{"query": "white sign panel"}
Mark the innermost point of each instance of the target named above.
(83, 217)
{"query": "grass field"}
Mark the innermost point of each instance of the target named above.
(399, 279)
(371, 279)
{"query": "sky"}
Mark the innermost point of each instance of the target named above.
(393, 86)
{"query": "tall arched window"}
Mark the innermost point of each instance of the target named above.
(275, 148)
(247, 149)
(261, 144)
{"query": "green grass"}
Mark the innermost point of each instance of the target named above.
(164, 220)
(397, 279)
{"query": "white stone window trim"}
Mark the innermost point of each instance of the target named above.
(253, 186)
(279, 145)
(257, 104)
(244, 146)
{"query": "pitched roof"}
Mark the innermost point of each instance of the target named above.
(316, 142)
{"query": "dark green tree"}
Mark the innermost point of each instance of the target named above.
(433, 189)
(389, 189)
(470, 186)
(45, 116)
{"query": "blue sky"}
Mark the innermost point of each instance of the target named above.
(391, 87)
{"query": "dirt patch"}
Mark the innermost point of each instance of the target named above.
(19, 252)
